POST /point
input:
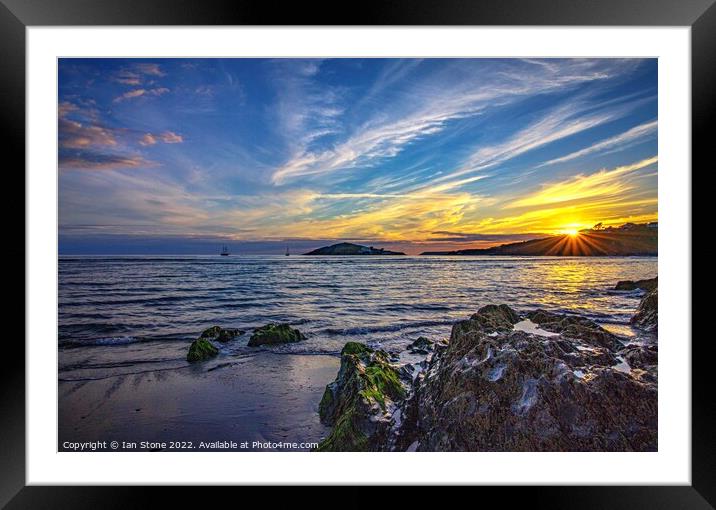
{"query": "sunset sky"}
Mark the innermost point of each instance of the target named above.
(182, 156)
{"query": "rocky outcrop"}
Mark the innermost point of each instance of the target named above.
(647, 315)
(361, 403)
(497, 388)
(575, 328)
(275, 334)
(201, 349)
(521, 392)
(647, 285)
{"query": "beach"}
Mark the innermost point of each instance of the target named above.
(126, 324)
(264, 398)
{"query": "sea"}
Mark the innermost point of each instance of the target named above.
(131, 314)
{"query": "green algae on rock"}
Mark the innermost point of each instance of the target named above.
(275, 334)
(223, 335)
(359, 403)
(201, 349)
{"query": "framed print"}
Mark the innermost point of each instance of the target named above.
(422, 249)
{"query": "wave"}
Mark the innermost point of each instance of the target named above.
(112, 340)
(366, 330)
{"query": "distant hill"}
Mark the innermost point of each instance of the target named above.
(634, 240)
(352, 249)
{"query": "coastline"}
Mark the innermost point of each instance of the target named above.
(140, 387)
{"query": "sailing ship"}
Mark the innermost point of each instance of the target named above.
(287, 253)
(225, 251)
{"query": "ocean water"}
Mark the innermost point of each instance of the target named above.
(129, 314)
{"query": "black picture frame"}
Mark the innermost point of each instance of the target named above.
(16, 15)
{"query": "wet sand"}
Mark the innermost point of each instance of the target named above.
(266, 397)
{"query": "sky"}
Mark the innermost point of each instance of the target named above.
(186, 155)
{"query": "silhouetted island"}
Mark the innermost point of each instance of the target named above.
(352, 249)
(628, 240)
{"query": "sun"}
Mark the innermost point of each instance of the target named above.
(572, 232)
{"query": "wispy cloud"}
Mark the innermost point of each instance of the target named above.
(92, 160)
(386, 135)
(599, 184)
(165, 137)
(137, 74)
(462, 237)
(135, 93)
(563, 121)
(149, 69)
(622, 140)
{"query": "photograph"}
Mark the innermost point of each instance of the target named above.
(357, 254)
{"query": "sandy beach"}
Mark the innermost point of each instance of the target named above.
(265, 397)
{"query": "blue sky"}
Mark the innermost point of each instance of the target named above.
(184, 155)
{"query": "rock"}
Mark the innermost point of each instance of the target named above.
(647, 315)
(495, 318)
(642, 356)
(494, 388)
(361, 402)
(421, 346)
(222, 335)
(647, 285)
(275, 334)
(201, 349)
(574, 327)
(520, 392)
(211, 332)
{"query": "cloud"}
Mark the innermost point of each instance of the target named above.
(622, 140)
(136, 74)
(148, 139)
(149, 69)
(563, 121)
(461, 237)
(165, 137)
(93, 160)
(131, 94)
(171, 137)
(93, 146)
(599, 184)
(126, 77)
(443, 101)
(73, 134)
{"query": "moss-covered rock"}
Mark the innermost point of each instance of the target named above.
(220, 334)
(275, 334)
(201, 349)
(211, 332)
(359, 403)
